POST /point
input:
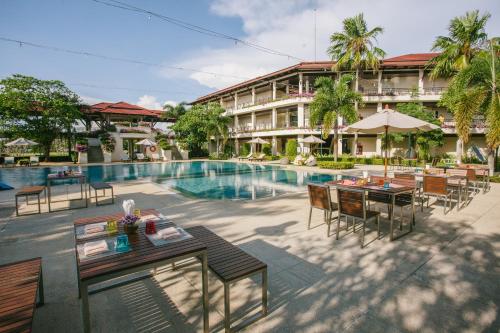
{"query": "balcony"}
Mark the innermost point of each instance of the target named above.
(478, 126)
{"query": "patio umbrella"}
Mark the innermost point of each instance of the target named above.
(259, 140)
(311, 139)
(146, 142)
(390, 121)
(21, 142)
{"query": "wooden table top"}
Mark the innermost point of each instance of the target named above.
(18, 292)
(30, 190)
(142, 250)
(373, 187)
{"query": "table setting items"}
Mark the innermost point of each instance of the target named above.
(132, 216)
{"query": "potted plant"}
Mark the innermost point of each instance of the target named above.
(129, 223)
(108, 146)
(82, 147)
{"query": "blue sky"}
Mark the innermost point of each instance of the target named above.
(285, 25)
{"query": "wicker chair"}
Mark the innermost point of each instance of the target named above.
(436, 186)
(320, 198)
(352, 203)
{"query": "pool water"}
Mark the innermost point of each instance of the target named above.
(197, 179)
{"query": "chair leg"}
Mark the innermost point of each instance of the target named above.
(363, 234)
(328, 222)
(310, 214)
(338, 225)
(264, 292)
(378, 226)
(401, 222)
(17, 207)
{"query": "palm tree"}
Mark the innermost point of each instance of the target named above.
(217, 125)
(354, 48)
(466, 38)
(174, 112)
(474, 91)
(333, 99)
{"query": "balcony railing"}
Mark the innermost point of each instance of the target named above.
(479, 124)
(434, 90)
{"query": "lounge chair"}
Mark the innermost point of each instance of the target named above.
(34, 160)
(258, 158)
(140, 157)
(311, 161)
(245, 157)
(9, 161)
(125, 158)
(156, 157)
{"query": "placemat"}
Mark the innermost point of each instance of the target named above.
(158, 241)
(111, 246)
(80, 231)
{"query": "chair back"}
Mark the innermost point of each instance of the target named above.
(319, 196)
(457, 172)
(471, 174)
(404, 182)
(404, 175)
(435, 185)
(352, 202)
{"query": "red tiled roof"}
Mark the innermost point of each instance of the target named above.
(407, 60)
(124, 109)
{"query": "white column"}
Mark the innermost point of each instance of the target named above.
(237, 146)
(236, 124)
(339, 142)
(378, 146)
(221, 101)
(300, 140)
(421, 81)
(253, 120)
(354, 145)
(274, 146)
(274, 118)
(274, 90)
(253, 95)
(307, 84)
(300, 115)
(287, 89)
(300, 83)
(379, 106)
(235, 101)
(459, 150)
(287, 119)
(379, 82)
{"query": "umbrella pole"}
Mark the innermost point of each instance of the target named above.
(386, 146)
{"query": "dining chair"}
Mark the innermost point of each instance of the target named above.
(473, 181)
(352, 203)
(459, 184)
(320, 198)
(405, 199)
(484, 175)
(436, 171)
(436, 186)
(379, 197)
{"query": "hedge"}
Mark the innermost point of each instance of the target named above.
(335, 165)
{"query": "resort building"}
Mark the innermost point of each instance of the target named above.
(275, 107)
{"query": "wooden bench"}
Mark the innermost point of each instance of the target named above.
(230, 264)
(20, 284)
(101, 186)
(26, 192)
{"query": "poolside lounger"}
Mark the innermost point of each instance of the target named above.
(125, 158)
(34, 160)
(260, 157)
(311, 161)
(299, 160)
(245, 157)
(140, 157)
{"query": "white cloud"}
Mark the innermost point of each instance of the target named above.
(149, 102)
(172, 103)
(288, 26)
(91, 100)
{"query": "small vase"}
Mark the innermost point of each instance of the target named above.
(130, 229)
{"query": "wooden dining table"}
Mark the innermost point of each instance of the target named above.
(143, 256)
(393, 191)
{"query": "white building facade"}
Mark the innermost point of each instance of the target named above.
(275, 107)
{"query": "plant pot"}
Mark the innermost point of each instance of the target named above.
(107, 157)
(130, 229)
(82, 158)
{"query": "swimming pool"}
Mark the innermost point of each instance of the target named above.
(197, 179)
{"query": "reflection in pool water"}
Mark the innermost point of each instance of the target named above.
(198, 179)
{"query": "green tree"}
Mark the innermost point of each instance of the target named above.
(474, 91)
(174, 112)
(354, 48)
(333, 99)
(466, 37)
(291, 149)
(217, 125)
(424, 141)
(41, 110)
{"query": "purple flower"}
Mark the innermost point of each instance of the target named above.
(129, 219)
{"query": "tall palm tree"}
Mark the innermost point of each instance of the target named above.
(466, 37)
(217, 125)
(174, 112)
(354, 48)
(333, 99)
(475, 91)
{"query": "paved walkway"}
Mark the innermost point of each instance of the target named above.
(442, 277)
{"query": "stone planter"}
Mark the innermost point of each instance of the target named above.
(166, 155)
(107, 157)
(82, 158)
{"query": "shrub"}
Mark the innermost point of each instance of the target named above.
(291, 149)
(335, 165)
(245, 149)
(213, 156)
(107, 142)
(272, 157)
(266, 149)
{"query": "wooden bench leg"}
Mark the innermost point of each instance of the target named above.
(227, 308)
(41, 296)
(264, 292)
(112, 196)
(17, 207)
(85, 307)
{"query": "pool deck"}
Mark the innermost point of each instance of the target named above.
(442, 277)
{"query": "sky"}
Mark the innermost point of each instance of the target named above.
(286, 26)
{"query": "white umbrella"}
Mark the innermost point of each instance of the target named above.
(21, 142)
(146, 142)
(312, 139)
(259, 140)
(390, 121)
